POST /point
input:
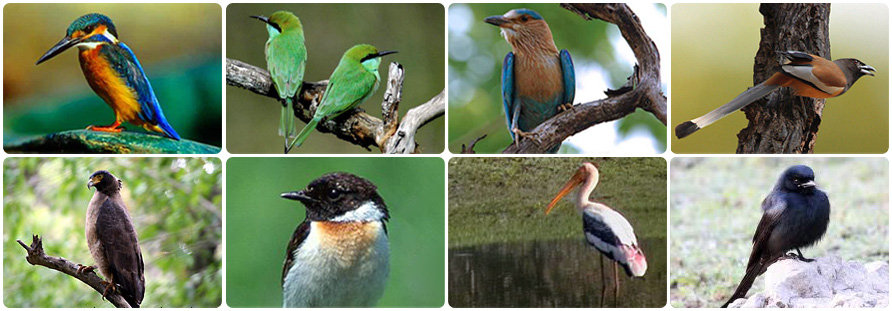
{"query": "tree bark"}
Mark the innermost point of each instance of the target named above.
(782, 122)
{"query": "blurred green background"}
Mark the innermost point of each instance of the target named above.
(178, 45)
(715, 208)
(415, 30)
(259, 224)
(175, 204)
(601, 57)
(713, 49)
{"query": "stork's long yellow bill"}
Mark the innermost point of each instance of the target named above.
(574, 181)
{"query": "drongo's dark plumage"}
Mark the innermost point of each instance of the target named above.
(795, 214)
(112, 240)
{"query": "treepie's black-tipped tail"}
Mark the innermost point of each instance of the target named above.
(685, 129)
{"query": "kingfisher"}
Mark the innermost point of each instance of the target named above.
(537, 80)
(114, 73)
(339, 255)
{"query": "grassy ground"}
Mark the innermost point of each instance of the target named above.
(503, 199)
(715, 207)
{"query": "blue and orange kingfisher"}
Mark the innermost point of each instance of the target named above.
(114, 73)
(537, 80)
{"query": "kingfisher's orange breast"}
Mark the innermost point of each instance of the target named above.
(109, 85)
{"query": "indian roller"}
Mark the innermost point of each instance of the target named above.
(286, 59)
(537, 80)
(114, 73)
(353, 81)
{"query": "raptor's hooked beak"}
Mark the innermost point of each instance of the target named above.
(93, 181)
(60, 47)
(574, 181)
(297, 196)
(497, 20)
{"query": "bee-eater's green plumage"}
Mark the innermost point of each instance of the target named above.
(286, 59)
(353, 81)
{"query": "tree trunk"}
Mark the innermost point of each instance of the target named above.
(781, 122)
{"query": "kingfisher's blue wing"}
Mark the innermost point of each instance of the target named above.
(508, 90)
(125, 63)
(569, 74)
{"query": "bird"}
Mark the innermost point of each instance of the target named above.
(605, 229)
(809, 75)
(286, 59)
(114, 73)
(537, 80)
(795, 214)
(113, 241)
(352, 82)
(339, 256)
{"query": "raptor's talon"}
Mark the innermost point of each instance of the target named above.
(565, 107)
(81, 269)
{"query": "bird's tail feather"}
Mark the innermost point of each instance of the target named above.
(751, 273)
(745, 98)
(168, 130)
(304, 133)
(286, 121)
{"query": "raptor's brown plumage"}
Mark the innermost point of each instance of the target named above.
(112, 239)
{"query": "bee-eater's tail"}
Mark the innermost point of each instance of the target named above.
(286, 121)
(304, 133)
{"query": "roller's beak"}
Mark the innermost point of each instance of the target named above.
(60, 47)
(297, 196)
(382, 53)
(572, 183)
(497, 20)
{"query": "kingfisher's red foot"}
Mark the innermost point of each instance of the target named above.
(111, 128)
(81, 269)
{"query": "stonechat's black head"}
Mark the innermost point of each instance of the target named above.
(341, 197)
(104, 182)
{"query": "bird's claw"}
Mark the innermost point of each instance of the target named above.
(110, 128)
(565, 107)
(109, 286)
(81, 269)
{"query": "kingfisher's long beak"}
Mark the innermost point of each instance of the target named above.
(382, 53)
(297, 196)
(574, 181)
(60, 47)
(497, 20)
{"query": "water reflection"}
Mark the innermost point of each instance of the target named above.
(550, 274)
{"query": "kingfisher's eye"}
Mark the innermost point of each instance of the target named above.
(334, 194)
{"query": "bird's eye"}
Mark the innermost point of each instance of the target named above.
(334, 194)
(524, 18)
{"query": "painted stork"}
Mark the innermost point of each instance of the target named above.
(605, 229)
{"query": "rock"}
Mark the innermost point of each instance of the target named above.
(826, 282)
(84, 141)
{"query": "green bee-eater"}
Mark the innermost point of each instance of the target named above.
(286, 59)
(353, 81)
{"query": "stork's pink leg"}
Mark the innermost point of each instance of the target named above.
(615, 286)
(603, 279)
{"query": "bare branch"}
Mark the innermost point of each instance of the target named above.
(641, 91)
(37, 256)
(470, 148)
(355, 127)
(404, 139)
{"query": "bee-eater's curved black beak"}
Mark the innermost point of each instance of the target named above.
(382, 53)
(297, 196)
(266, 20)
(60, 47)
